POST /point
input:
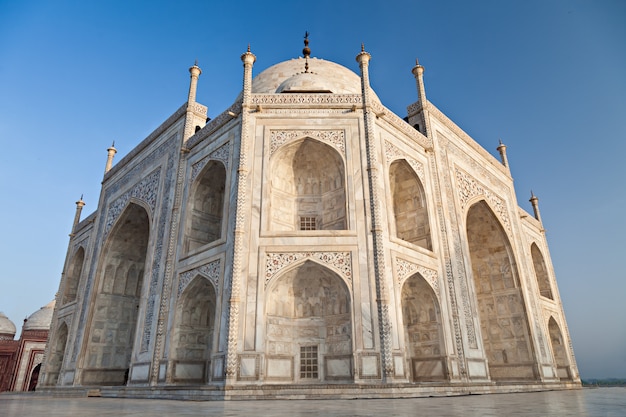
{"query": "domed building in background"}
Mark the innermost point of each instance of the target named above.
(21, 359)
(308, 242)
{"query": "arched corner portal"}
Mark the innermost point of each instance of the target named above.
(503, 321)
(309, 326)
(541, 272)
(409, 205)
(307, 188)
(192, 336)
(73, 277)
(559, 350)
(57, 351)
(423, 330)
(206, 207)
(114, 316)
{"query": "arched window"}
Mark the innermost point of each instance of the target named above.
(307, 188)
(206, 207)
(73, 277)
(192, 337)
(423, 330)
(409, 205)
(309, 326)
(541, 272)
(112, 329)
(503, 321)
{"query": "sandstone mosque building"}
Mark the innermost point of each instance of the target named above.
(306, 243)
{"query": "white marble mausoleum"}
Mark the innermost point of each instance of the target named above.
(306, 243)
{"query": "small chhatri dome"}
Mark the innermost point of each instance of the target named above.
(40, 319)
(7, 328)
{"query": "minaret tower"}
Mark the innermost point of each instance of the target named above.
(418, 112)
(195, 72)
(502, 149)
(79, 208)
(110, 154)
(535, 202)
(418, 72)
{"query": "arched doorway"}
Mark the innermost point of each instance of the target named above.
(409, 205)
(192, 337)
(559, 350)
(423, 330)
(309, 326)
(121, 272)
(503, 321)
(307, 188)
(34, 378)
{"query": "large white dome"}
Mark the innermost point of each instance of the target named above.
(322, 76)
(40, 319)
(7, 328)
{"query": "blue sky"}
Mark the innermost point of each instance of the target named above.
(547, 77)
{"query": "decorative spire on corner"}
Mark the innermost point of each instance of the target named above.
(306, 51)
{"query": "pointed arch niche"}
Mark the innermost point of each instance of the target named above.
(541, 272)
(409, 205)
(309, 326)
(192, 336)
(307, 188)
(73, 276)
(559, 350)
(57, 351)
(121, 273)
(503, 321)
(423, 330)
(206, 207)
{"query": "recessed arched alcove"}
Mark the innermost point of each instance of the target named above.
(423, 330)
(307, 187)
(206, 207)
(308, 326)
(120, 279)
(503, 321)
(541, 272)
(192, 335)
(559, 350)
(409, 205)
(55, 359)
(73, 277)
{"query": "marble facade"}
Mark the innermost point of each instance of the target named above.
(308, 242)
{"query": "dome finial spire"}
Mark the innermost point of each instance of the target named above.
(306, 51)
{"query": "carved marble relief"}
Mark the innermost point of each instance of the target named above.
(220, 154)
(211, 271)
(404, 269)
(341, 262)
(335, 138)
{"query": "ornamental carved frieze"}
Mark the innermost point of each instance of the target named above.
(404, 269)
(145, 190)
(210, 271)
(335, 138)
(220, 154)
(392, 152)
(468, 188)
(340, 261)
(279, 99)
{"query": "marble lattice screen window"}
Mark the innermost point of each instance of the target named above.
(308, 362)
(307, 223)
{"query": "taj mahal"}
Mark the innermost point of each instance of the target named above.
(307, 242)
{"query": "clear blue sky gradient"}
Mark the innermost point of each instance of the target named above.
(547, 77)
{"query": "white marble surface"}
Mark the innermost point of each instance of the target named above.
(610, 402)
